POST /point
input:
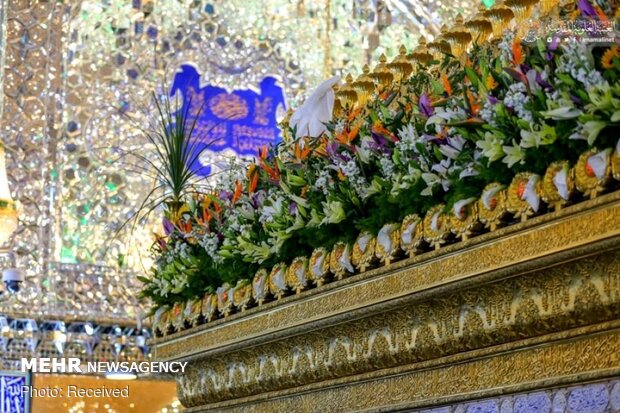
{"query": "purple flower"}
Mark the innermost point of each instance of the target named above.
(553, 46)
(381, 143)
(425, 105)
(257, 199)
(333, 153)
(225, 195)
(543, 83)
(292, 208)
(575, 99)
(492, 100)
(586, 8)
(168, 227)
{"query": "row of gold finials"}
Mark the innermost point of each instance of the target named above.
(527, 195)
(486, 24)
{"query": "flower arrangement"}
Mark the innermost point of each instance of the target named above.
(455, 145)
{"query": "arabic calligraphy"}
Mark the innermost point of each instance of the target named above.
(13, 400)
(242, 120)
(593, 30)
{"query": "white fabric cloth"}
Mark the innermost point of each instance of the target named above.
(311, 116)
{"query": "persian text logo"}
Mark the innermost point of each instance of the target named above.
(587, 30)
(75, 365)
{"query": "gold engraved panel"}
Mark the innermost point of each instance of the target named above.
(582, 358)
(565, 296)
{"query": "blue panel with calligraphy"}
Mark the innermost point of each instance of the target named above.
(14, 399)
(241, 121)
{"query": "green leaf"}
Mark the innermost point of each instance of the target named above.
(473, 77)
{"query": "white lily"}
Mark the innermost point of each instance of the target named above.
(589, 131)
(491, 146)
(514, 154)
(453, 148)
(529, 139)
(310, 118)
(431, 180)
(334, 212)
(561, 113)
(468, 171)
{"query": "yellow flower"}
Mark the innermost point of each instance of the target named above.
(608, 57)
(490, 83)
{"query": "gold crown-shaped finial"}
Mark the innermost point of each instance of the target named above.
(346, 94)
(364, 85)
(382, 74)
(400, 66)
(421, 54)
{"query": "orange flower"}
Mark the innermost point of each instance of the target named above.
(273, 172)
(206, 214)
(301, 154)
(217, 207)
(353, 114)
(185, 227)
(253, 183)
(321, 149)
(446, 84)
(475, 107)
(346, 138)
(262, 152)
(517, 53)
(380, 129)
(238, 191)
(341, 175)
(601, 14)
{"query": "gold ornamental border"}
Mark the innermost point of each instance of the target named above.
(569, 357)
(519, 248)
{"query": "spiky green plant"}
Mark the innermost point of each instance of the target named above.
(173, 136)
